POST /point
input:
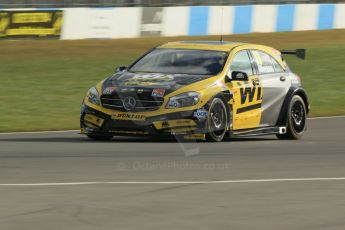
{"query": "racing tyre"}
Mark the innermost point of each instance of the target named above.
(217, 121)
(100, 137)
(296, 121)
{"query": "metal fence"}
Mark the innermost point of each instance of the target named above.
(126, 3)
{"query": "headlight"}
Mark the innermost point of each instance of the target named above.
(92, 96)
(183, 100)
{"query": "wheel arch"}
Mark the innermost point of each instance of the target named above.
(282, 119)
(301, 92)
(225, 96)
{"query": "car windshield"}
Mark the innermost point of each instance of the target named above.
(181, 61)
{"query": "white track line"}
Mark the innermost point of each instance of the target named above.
(330, 117)
(77, 130)
(176, 182)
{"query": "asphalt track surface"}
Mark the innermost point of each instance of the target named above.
(143, 183)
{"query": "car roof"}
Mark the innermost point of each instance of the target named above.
(220, 46)
(202, 45)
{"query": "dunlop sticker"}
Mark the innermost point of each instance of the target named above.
(128, 116)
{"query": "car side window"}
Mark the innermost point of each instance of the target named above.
(277, 67)
(263, 61)
(241, 62)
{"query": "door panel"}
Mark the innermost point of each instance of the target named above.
(247, 97)
(275, 83)
(272, 101)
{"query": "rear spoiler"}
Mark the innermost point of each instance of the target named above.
(300, 53)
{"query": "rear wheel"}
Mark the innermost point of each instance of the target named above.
(296, 121)
(100, 137)
(217, 121)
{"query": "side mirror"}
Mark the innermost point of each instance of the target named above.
(239, 76)
(227, 78)
(121, 68)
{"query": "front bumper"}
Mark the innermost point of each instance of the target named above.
(96, 122)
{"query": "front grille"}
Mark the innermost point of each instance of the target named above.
(144, 101)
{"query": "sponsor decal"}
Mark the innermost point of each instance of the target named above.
(182, 130)
(184, 122)
(174, 123)
(109, 90)
(124, 90)
(195, 136)
(100, 23)
(140, 90)
(30, 23)
(128, 116)
(276, 53)
(151, 21)
(151, 77)
(165, 124)
(141, 83)
(93, 120)
(221, 83)
(148, 79)
(201, 114)
(158, 92)
(234, 91)
(246, 91)
(295, 80)
(129, 132)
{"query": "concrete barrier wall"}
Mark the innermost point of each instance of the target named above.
(106, 23)
(265, 18)
(84, 23)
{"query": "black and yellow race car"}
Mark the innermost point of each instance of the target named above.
(202, 89)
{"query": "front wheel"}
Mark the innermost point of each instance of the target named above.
(217, 121)
(296, 121)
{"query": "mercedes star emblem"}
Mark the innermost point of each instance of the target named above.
(129, 103)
